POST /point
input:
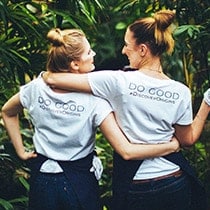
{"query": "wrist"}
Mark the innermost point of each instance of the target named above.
(175, 146)
(20, 152)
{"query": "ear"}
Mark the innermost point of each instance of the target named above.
(143, 49)
(74, 65)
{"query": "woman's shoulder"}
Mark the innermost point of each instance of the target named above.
(182, 85)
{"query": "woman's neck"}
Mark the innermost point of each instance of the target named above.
(153, 68)
(152, 63)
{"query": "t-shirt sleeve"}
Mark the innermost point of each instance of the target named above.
(28, 92)
(185, 112)
(103, 83)
(103, 109)
(26, 95)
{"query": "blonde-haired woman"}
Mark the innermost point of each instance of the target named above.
(150, 105)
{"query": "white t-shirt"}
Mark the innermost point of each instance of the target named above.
(64, 123)
(146, 109)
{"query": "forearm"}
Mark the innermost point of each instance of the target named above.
(143, 151)
(189, 134)
(68, 81)
(129, 151)
(201, 116)
(10, 115)
(12, 126)
(199, 121)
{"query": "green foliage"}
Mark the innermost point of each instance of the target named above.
(104, 151)
(14, 204)
(6, 204)
(14, 181)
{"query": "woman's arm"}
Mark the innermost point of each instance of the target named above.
(129, 151)
(68, 81)
(189, 134)
(10, 115)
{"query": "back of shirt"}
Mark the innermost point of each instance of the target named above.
(146, 109)
(64, 123)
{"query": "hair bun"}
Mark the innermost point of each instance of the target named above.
(55, 37)
(164, 18)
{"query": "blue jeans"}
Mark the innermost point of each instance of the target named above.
(52, 192)
(172, 193)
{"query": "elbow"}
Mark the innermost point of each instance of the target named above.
(3, 113)
(187, 144)
(126, 155)
(7, 114)
(49, 81)
(47, 78)
(4, 117)
(186, 140)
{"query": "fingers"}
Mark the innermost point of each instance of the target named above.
(28, 155)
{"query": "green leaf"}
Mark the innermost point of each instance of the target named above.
(121, 26)
(6, 204)
(24, 182)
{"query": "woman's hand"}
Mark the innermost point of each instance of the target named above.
(27, 155)
(175, 144)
